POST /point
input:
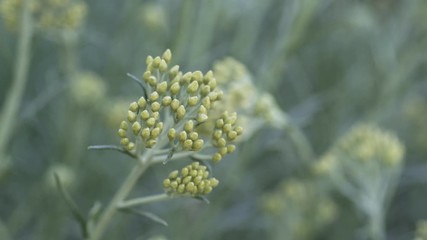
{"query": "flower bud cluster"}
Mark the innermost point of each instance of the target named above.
(192, 180)
(48, 14)
(87, 89)
(225, 132)
(173, 106)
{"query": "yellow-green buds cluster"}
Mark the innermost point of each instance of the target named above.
(191, 180)
(225, 132)
(180, 103)
(48, 14)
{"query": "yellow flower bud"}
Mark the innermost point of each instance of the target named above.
(166, 183)
(155, 106)
(159, 125)
(214, 182)
(202, 110)
(205, 90)
(190, 187)
(239, 130)
(155, 115)
(124, 141)
(146, 76)
(231, 148)
(186, 78)
(124, 125)
(232, 135)
(173, 72)
(174, 174)
(136, 127)
(142, 102)
(217, 134)
(133, 107)
(156, 62)
(181, 188)
(198, 144)
(171, 134)
(151, 121)
(187, 144)
(223, 151)
(208, 77)
(131, 116)
(182, 136)
(152, 81)
(201, 118)
(216, 158)
(184, 172)
(155, 132)
(154, 96)
(193, 136)
(213, 96)
(145, 133)
(212, 83)
(180, 112)
(167, 55)
(192, 101)
(175, 88)
(197, 76)
(189, 125)
(162, 87)
(130, 146)
(187, 179)
(193, 87)
(206, 101)
(166, 101)
(221, 142)
(145, 115)
(207, 190)
(174, 185)
(149, 60)
(227, 128)
(150, 143)
(163, 66)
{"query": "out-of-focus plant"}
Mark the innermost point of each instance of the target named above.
(298, 209)
(421, 230)
(364, 165)
(161, 126)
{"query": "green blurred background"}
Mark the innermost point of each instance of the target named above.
(328, 64)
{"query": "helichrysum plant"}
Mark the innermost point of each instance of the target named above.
(164, 125)
(364, 165)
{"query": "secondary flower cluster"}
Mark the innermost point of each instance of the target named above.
(191, 180)
(48, 14)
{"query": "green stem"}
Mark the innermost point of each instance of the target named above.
(376, 227)
(22, 62)
(144, 200)
(120, 195)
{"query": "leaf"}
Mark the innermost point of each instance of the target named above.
(140, 83)
(202, 198)
(170, 154)
(149, 215)
(111, 147)
(77, 214)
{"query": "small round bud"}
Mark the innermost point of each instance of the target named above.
(184, 172)
(150, 143)
(163, 66)
(145, 133)
(232, 135)
(187, 77)
(202, 110)
(219, 123)
(207, 190)
(145, 115)
(156, 62)
(142, 102)
(193, 173)
(193, 136)
(201, 118)
(155, 106)
(124, 141)
(167, 55)
(130, 146)
(227, 128)
(223, 151)
(217, 134)
(122, 133)
(173, 174)
(216, 158)
(213, 96)
(197, 179)
(146, 76)
(212, 83)
(136, 127)
(221, 142)
(151, 121)
(149, 60)
(152, 81)
(159, 125)
(186, 179)
(131, 116)
(182, 136)
(205, 90)
(206, 101)
(181, 188)
(155, 132)
(190, 187)
(193, 87)
(134, 107)
(174, 185)
(124, 125)
(197, 76)
(239, 130)
(192, 101)
(187, 144)
(162, 87)
(180, 112)
(154, 96)
(171, 134)
(220, 95)
(208, 77)
(198, 144)
(231, 148)
(175, 88)
(166, 183)
(175, 104)
(166, 101)
(155, 115)
(173, 72)
(188, 126)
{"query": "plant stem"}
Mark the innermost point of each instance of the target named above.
(120, 195)
(22, 62)
(376, 227)
(144, 200)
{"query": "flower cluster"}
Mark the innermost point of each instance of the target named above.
(48, 14)
(175, 103)
(225, 131)
(191, 180)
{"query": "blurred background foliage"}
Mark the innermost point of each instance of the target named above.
(327, 64)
